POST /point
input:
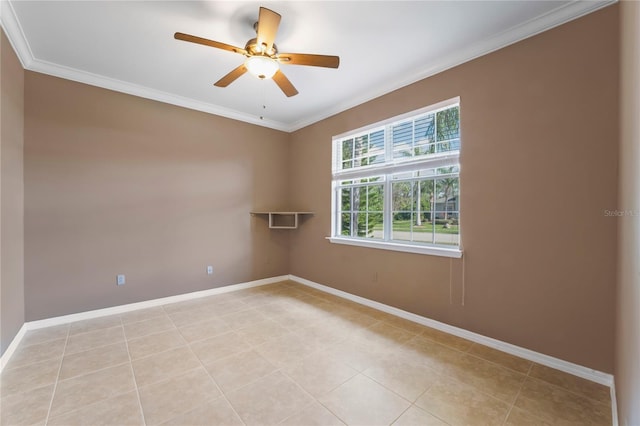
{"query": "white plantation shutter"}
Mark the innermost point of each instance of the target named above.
(396, 183)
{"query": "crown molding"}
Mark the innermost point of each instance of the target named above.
(56, 70)
(13, 30)
(552, 19)
(18, 40)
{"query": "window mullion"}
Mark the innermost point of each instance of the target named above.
(336, 203)
(367, 179)
(435, 131)
(388, 144)
(413, 138)
(387, 215)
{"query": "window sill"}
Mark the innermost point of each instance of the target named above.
(430, 250)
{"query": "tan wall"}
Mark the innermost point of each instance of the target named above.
(538, 168)
(627, 371)
(11, 194)
(116, 184)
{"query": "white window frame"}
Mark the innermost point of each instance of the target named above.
(389, 168)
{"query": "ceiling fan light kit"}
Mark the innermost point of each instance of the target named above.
(262, 67)
(263, 59)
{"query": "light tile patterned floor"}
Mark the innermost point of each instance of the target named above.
(280, 354)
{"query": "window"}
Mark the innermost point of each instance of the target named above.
(396, 184)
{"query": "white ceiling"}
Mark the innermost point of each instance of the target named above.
(383, 45)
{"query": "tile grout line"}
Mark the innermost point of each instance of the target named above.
(297, 412)
(401, 414)
(133, 374)
(92, 371)
(278, 369)
(396, 393)
(529, 376)
(331, 411)
(513, 404)
(526, 375)
(313, 397)
(101, 345)
(476, 356)
(358, 372)
(413, 404)
(567, 390)
(55, 385)
(562, 388)
(188, 344)
(447, 376)
(22, 345)
(75, 410)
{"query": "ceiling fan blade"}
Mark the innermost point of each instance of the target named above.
(311, 60)
(231, 77)
(207, 42)
(268, 22)
(284, 84)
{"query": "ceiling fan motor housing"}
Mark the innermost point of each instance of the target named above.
(254, 49)
(263, 58)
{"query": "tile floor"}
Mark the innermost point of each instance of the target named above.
(280, 354)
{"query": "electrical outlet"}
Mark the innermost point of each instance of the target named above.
(120, 280)
(209, 270)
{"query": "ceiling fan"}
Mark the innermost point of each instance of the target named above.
(263, 58)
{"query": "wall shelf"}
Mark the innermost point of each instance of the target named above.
(282, 220)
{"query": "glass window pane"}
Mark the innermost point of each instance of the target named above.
(361, 145)
(447, 194)
(424, 203)
(403, 175)
(345, 224)
(426, 172)
(426, 198)
(347, 149)
(376, 143)
(422, 229)
(401, 193)
(448, 170)
(424, 135)
(447, 229)
(375, 225)
(363, 230)
(374, 179)
(447, 233)
(448, 124)
(429, 227)
(404, 153)
(345, 198)
(402, 137)
(375, 198)
(424, 148)
(376, 159)
(402, 226)
(360, 198)
(361, 162)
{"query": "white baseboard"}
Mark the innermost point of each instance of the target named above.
(549, 361)
(614, 404)
(6, 356)
(33, 325)
(65, 319)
